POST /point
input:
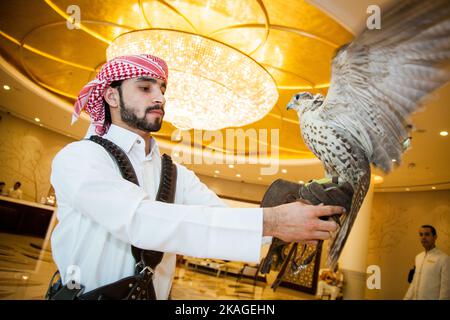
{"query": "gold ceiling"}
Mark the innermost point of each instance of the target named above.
(293, 40)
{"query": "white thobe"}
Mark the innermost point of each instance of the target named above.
(17, 194)
(431, 279)
(100, 215)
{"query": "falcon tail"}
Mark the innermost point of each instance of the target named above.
(341, 236)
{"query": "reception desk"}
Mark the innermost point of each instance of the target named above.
(25, 217)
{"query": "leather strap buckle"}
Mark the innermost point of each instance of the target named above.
(148, 271)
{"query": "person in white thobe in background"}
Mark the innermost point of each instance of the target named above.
(431, 279)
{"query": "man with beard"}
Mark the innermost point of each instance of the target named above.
(101, 215)
(431, 279)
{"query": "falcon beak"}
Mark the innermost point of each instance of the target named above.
(289, 106)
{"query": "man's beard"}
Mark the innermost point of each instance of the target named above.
(131, 119)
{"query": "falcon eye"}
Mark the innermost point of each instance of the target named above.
(297, 96)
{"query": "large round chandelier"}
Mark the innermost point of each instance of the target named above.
(212, 85)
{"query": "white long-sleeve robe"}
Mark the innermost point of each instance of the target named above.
(100, 215)
(431, 279)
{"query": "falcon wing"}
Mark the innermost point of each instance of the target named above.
(377, 81)
(383, 76)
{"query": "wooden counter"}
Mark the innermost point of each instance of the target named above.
(24, 217)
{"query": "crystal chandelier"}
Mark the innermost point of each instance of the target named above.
(212, 85)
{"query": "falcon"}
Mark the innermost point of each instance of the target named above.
(377, 82)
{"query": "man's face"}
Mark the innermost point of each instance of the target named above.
(142, 103)
(427, 238)
(16, 186)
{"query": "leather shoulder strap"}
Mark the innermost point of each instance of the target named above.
(166, 191)
(119, 156)
(167, 183)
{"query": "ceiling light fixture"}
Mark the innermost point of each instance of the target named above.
(37, 119)
(443, 133)
(231, 166)
(6, 87)
(377, 179)
(212, 85)
(238, 175)
(178, 136)
(283, 170)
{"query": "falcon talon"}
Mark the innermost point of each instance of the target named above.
(319, 181)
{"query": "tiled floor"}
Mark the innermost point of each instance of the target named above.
(191, 285)
(26, 269)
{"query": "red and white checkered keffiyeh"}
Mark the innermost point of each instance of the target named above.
(120, 68)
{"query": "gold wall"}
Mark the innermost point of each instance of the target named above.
(26, 154)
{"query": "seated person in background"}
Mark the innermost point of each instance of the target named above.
(16, 192)
(2, 189)
(330, 283)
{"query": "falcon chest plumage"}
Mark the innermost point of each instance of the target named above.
(329, 144)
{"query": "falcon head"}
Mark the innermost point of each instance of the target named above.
(303, 100)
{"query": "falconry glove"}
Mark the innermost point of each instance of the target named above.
(316, 192)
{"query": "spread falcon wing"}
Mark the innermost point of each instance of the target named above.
(377, 81)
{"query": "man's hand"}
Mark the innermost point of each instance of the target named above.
(288, 220)
(300, 222)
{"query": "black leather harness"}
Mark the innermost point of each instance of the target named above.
(140, 285)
